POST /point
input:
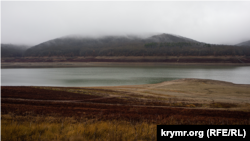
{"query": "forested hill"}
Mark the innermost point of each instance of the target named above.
(157, 45)
(108, 46)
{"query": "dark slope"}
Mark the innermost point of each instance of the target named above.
(246, 43)
(10, 50)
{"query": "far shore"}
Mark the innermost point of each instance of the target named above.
(101, 61)
(106, 64)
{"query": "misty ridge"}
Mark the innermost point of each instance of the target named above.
(10, 50)
(130, 45)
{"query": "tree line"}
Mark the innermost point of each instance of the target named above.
(133, 49)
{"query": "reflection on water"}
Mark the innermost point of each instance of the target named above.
(114, 76)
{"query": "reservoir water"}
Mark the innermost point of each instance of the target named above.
(115, 76)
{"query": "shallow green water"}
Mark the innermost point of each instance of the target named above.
(114, 76)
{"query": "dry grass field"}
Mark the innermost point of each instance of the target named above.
(202, 92)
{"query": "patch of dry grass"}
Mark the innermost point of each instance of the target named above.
(30, 128)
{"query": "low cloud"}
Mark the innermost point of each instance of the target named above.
(210, 22)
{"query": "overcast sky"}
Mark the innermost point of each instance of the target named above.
(211, 22)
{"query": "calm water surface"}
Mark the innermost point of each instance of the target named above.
(115, 76)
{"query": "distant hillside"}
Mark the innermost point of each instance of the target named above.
(157, 45)
(110, 46)
(246, 43)
(10, 50)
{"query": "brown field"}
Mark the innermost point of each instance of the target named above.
(109, 109)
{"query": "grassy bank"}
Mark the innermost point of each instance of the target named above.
(40, 127)
(30, 128)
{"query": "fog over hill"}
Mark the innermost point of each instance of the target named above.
(246, 43)
(169, 38)
(216, 22)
